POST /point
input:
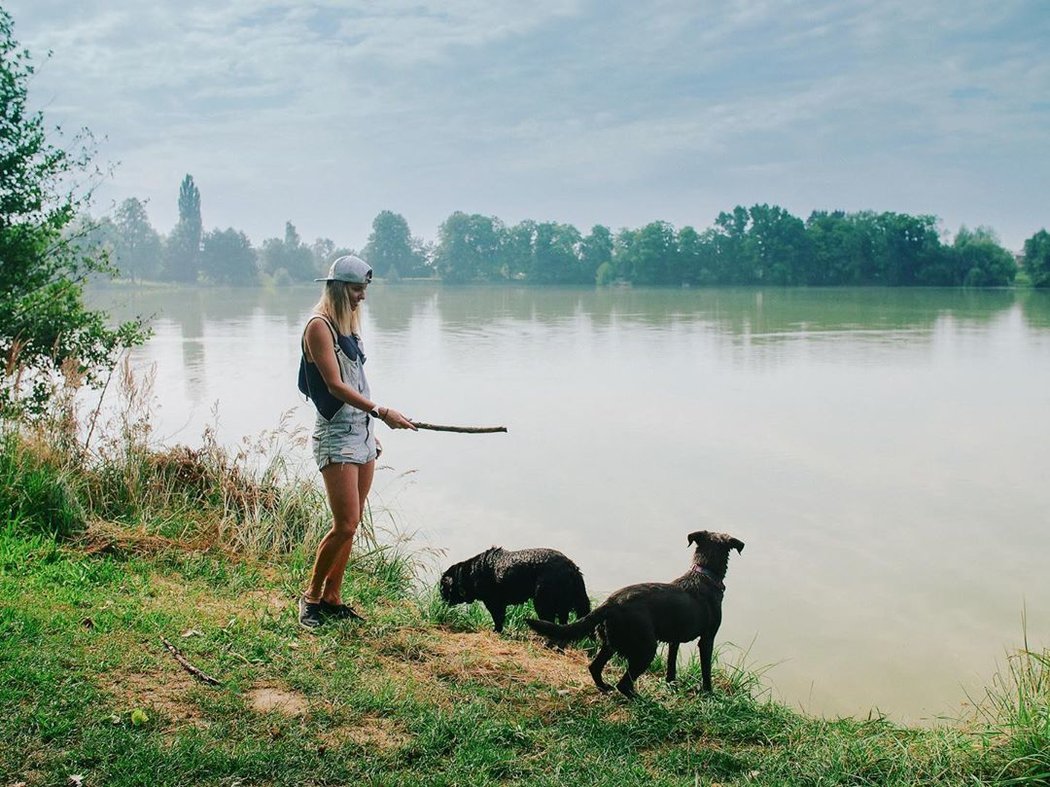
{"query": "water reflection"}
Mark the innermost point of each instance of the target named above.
(733, 311)
(1036, 308)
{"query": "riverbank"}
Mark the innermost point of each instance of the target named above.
(109, 555)
(414, 696)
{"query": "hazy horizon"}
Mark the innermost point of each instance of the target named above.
(324, 113)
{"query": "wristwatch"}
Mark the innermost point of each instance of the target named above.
(374, 412)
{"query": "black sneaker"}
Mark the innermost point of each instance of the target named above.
(310, 613)
(340, 611)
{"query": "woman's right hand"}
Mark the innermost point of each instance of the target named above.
(395, 420)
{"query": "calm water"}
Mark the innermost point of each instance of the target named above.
(883, 453)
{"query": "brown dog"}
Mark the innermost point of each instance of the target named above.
(633, 619)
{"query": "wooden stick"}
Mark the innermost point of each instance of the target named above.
(462, 429)
(204, 678)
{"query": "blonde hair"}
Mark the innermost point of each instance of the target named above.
(335, 305)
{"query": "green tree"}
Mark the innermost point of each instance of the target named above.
(423, 254)
(391, 250)
(1037, 259)
(615, 271)
(470, 248)
(299, 260)
(518, 244)
(908, 250)
(554, 259)
(137, 247)
(454, 258)
(692, 260)
(647, 255)
(323, 252)
(227, 257)
(776, 245)
(733, 263)
(288, 259)
(841, 248)
(45, 328)
(978, 260)
(182, 261)
(596, 249)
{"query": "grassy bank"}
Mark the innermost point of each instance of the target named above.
(111, 551)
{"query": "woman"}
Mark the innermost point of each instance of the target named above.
(331, 373)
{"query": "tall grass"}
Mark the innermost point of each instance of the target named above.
(1016, 715)
(36, 492)
(103, 475)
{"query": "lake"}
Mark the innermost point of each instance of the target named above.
(883, 453)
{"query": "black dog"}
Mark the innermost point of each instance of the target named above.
(633, 619)
(499, 578)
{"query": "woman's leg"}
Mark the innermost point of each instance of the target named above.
(341, 485)
(333, 583)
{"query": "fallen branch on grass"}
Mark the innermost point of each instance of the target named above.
(201, 676)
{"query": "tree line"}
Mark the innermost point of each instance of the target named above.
(760, 245)
(190, 255)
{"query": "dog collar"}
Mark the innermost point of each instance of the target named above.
(710, 577)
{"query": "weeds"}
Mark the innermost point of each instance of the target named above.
(1016, 715)
(108, 477)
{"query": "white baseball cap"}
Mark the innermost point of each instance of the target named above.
(349, 268)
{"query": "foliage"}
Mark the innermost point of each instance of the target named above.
(391, 250)
(1037, 259)
(760, 245)
(182, 262)
(227, 257)
(646, 256)
(46, 331)
(1018, 703)
(595, 250)
(137, 247)
(555, 255)
(470, 249)
(517, 246)
(35, 491)
(289, 258)
(979, 260)
(65, 473)
(763, 245)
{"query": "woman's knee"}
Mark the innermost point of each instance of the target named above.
(345, 527)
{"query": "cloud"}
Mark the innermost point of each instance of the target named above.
(327, 112)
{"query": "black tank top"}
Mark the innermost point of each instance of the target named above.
(312, 384)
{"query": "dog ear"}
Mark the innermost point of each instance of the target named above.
(737, 544)
(696, 537)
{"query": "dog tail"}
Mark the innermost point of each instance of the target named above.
(582, 605)
(571, 632)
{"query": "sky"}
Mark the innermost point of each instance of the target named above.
(577, 111)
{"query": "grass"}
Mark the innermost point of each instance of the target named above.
(110, 550)
(411, 697)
